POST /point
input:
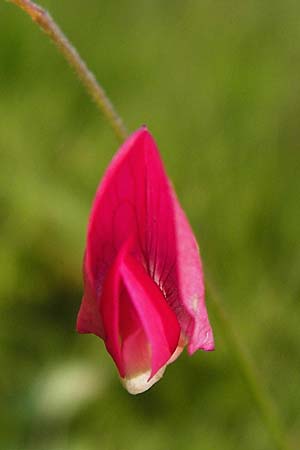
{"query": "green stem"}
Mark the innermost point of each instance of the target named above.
(88, 79)
(264, 403)
(249, 371)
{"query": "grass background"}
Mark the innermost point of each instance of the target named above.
(217, 83)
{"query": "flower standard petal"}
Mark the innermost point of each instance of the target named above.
(112, 220)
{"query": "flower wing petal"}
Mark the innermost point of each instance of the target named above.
(191, 284)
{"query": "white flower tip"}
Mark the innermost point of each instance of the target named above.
(141, 383)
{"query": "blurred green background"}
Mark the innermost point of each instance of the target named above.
(218, 84)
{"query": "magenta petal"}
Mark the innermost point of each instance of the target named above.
(190, 280)
(89, 318)
(115, 213)
(157, 319)
(146, 334)
(110, 313)
(172, 253)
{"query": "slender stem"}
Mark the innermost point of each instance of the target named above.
(45, 21)
(249, 371)
(247, 366)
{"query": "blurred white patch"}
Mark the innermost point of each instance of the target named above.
(62, 390)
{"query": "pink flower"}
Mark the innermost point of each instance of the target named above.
(143, 280)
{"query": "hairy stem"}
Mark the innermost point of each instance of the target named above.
(45, 21)
(253, 380)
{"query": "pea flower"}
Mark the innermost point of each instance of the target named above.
(143, 279)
